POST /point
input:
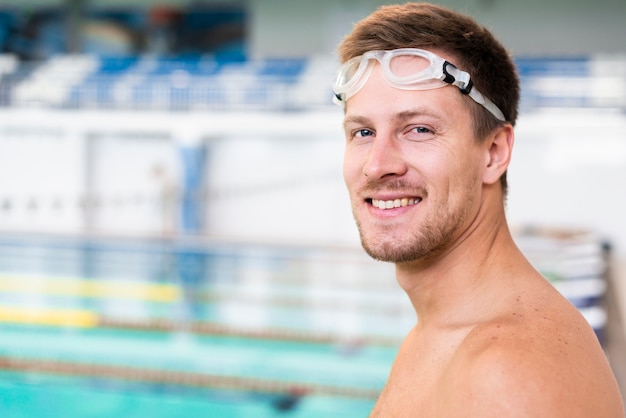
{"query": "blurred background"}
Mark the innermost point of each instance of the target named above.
(175, 237)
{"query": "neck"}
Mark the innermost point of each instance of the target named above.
(449, 288)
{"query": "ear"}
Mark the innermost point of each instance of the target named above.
(499, 146)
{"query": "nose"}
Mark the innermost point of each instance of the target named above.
(385, 158)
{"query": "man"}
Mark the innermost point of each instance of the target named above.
(430, 103)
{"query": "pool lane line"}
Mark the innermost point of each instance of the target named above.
(348, 342)
(171, 293)
(77, 318)
(353, 305)
(182, 378)
(86, 319)
(90, 288)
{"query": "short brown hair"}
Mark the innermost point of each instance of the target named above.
(424, 25)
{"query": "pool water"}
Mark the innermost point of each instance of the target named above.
(35, 395)
(109, 328)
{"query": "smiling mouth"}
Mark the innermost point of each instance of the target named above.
(395, 203)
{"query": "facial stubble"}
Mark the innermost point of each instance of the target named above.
(437, 232)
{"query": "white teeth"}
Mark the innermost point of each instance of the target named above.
(390, 204)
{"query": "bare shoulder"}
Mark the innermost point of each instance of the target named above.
(534, 362)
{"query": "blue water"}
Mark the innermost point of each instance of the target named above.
(290, 317)
(35, 395)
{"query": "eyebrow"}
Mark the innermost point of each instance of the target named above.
(420, 111)
(398, 117)
(359, 120)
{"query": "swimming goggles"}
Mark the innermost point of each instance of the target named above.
(407, 69)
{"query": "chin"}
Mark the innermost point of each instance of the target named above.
(403, 246)
(387, 249)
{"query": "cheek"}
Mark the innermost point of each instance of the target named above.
(346, 167)
(466, 181)
(454, 176)
(352, 168)
(467, 161)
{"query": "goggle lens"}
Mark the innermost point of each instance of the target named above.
(404, 66)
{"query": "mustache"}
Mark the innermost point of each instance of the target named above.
(396, 185)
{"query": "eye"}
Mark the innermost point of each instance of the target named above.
(362, 133)
(421, 130)
(419, 133)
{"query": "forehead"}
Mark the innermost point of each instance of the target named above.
(379, 99)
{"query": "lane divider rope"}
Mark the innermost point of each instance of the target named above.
(182, 378)
(83, 318)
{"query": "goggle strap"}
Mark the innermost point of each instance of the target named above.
(462, 80)
(487, 104)
(454, 76)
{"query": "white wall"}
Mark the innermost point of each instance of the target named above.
(569, 169)
(40, 162)
(271, 177)
(277, 177)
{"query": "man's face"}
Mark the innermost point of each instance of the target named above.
(412, 167)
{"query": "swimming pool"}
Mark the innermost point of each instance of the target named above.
(101, 327)
(120, 327)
